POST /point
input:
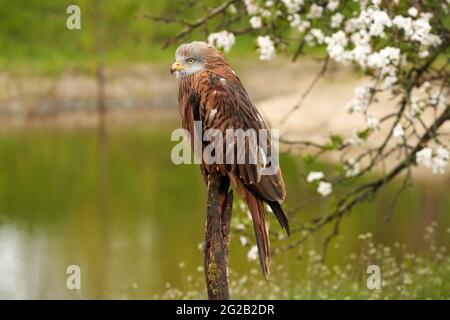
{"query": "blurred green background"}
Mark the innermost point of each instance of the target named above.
(34, 37)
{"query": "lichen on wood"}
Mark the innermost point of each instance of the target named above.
(217, 236)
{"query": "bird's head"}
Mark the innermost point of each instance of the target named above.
(193, 57)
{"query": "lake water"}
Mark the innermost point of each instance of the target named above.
(133, 221)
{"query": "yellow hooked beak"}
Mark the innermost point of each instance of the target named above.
(176, 66)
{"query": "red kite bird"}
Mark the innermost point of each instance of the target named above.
(211, 93)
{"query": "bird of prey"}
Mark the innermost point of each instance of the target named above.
(212, 93)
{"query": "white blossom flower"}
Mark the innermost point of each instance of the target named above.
(413, 11)
(251, 7)
(240, 226)
(361, 101)
(365, 236)
(445, 6)
(423, 54)
(380, 20)
(424, 156)
(243, 240)
(422, 33)
(440, 161)
(415, 106)
(374, 20)
(315, 35)
(418, 30)
(361, 38)
(359, 54)
(404, 23)
(354, 39)
(222, 40)
(266, 13)
(386, 60)
(293, 6)
(314, 175)
(256, 22)
(252, 253)
(266, 48)
(324, 188)
(333, 5)
(389, 82)
(437, 99)
(373, 122)
(304, 24)
(425, 86)
(336, 44)
(437, 163)
(355, 139)
(336, 20)
(443, 153)
(298, 23)
(398, 131)
(353, 24)
(232, 9)
(315, 11)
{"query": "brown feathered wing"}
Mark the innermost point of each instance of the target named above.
(218, 99)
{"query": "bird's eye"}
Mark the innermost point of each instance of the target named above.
(190, 60)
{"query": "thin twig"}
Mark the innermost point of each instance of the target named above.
(308, 90)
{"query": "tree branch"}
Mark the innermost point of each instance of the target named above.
(217, 237)
(189, 27)
(309, 89)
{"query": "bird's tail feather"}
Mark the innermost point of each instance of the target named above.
(281, 217)
(262, 240)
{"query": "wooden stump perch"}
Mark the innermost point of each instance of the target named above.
(217, 237)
